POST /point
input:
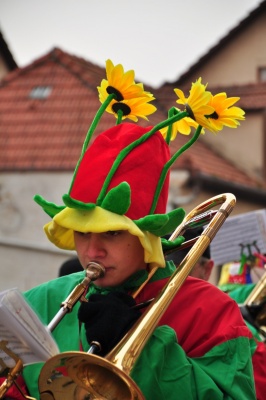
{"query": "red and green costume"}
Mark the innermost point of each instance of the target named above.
(187, 357)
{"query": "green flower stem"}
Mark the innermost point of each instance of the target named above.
(131, 146)
(90, 132)
(168, 121)
(170, 163)
(171, 112)
(119, 117)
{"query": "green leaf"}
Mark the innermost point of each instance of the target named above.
(50, 208)
(175, 217)
(161, 224)
(169, 245)
(152, 223)
(72, 203)
(117, 200)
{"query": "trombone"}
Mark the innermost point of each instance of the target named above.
(88, 376)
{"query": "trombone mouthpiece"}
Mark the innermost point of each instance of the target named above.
(94, 271)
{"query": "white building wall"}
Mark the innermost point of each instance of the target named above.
(236, 63)
(244, 146)
(27, 258)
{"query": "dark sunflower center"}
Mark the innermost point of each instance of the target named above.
(126, 110)
(112, 90)
(214, 115)
(190, 112)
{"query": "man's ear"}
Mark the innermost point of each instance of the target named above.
(208, 269)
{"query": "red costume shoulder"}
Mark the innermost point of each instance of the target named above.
(187, 313)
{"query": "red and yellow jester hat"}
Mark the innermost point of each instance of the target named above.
(121, 180)
(115, 189)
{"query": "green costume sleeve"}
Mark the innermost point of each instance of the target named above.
(45, 301)
(171, 375)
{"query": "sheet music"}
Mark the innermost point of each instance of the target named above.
(20, 326)
(17, 347)
(244, 228)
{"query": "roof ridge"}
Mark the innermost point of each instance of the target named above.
(57, 55)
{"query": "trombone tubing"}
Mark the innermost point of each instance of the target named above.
(127, 351)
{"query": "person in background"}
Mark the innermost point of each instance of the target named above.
(203, 268)
(114, 215)
(70, 266)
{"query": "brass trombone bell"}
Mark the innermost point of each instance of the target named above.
(86, 373)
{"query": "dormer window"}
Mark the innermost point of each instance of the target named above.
(40, 92)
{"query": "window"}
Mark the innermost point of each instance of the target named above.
(262, 74)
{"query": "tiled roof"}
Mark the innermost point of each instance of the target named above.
(201, 159)
(47, 134)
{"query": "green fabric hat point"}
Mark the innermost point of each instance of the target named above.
(50, 208)
(72, 203)
(161, 224)
(117, 200)
(172, 244)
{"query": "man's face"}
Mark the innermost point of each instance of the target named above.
(119, 252)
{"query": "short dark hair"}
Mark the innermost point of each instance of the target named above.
(179, 255)
(70, 266)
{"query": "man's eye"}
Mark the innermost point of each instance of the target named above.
(113, 233)
(82, 233)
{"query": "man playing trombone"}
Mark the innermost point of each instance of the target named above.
(114, 216)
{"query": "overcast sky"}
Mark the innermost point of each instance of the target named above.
(159, 39)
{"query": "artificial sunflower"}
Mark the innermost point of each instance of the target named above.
(197, 103)
(132, 108)
(120, 83)
(129, 96)
(224, 114)
(182, 126)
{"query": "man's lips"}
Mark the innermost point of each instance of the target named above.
(108, 269)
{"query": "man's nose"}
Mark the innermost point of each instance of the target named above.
(95, 247)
